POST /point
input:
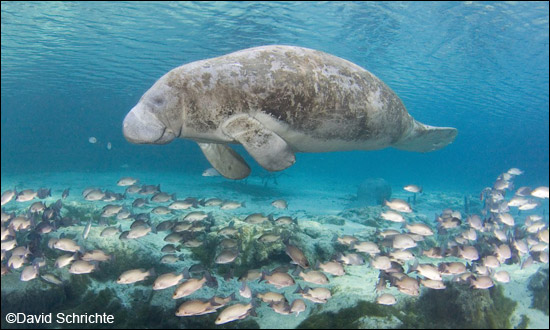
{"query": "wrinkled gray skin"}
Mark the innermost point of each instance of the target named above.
(275, 101)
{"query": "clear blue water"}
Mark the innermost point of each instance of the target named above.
(72, 70)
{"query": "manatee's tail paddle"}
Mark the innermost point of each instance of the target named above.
(425, 138)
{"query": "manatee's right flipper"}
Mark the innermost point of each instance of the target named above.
(225, 160)
(424, 138)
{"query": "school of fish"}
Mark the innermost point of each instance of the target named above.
(467, 248)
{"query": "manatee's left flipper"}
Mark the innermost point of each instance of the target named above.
(265, 146)
(224, 159)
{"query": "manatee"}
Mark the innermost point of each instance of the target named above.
(276, 101)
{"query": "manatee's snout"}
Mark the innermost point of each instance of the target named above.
(141, 126)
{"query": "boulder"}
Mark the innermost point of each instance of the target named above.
(373, 192)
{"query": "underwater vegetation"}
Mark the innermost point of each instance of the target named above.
(457, 307)
(460, 307)
(538, 284)
(347, 318)
(75, 297)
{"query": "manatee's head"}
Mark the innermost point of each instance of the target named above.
(157, 118)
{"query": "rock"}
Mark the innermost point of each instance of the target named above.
(373, 192)
(538, 284)
(472, 309)
(333, 220)
(315, 241)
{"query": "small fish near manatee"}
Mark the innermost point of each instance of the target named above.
(413, 188)
(190, 102)
(210, 172)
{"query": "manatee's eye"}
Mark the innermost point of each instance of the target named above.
(158, 100)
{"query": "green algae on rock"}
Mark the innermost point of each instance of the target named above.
(460, 307)
(347, 318)
(538, 284)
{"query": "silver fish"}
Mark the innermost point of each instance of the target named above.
(419, 229)
(271, 297)
(96, 255)
(403, 241)
(135, 275)
(167, 280)
(256, 218)
(139, 202)
(540, 192)
(413, 188)
(110, 231)
(110, 210)
(210, 172)
(392, 216)
(7, 196)
(82, 267)
(181, 205)
(314, 276)
(429, 271)
(408, 285)
(245, 291)
(20, 223)
(351, 259)
(169, 259)
(126, 181)
(298, 306)
(133, 189)
(297, 256)
(280, 204)
(433, 284)
(169, 248)
(213, 202)
(502, 276)
(398, 205)
(196, 307)
(162, 197)
(191, 285)
(139, 231)
(16, 262)
(195, 216)
(37, 207)
(86, 230)
(94, 195)
(231, 205)
(26, 195)
(386, 299)
(64, 260)
(332, 267)
(66, 244)
(482, 282)
(161, 210)
(468, 252)
(50, 278)
(316, 295)
(226, 256)
(278, 279)
(29, 273)
(234, 312)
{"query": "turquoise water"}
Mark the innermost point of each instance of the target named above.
(73, 70)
